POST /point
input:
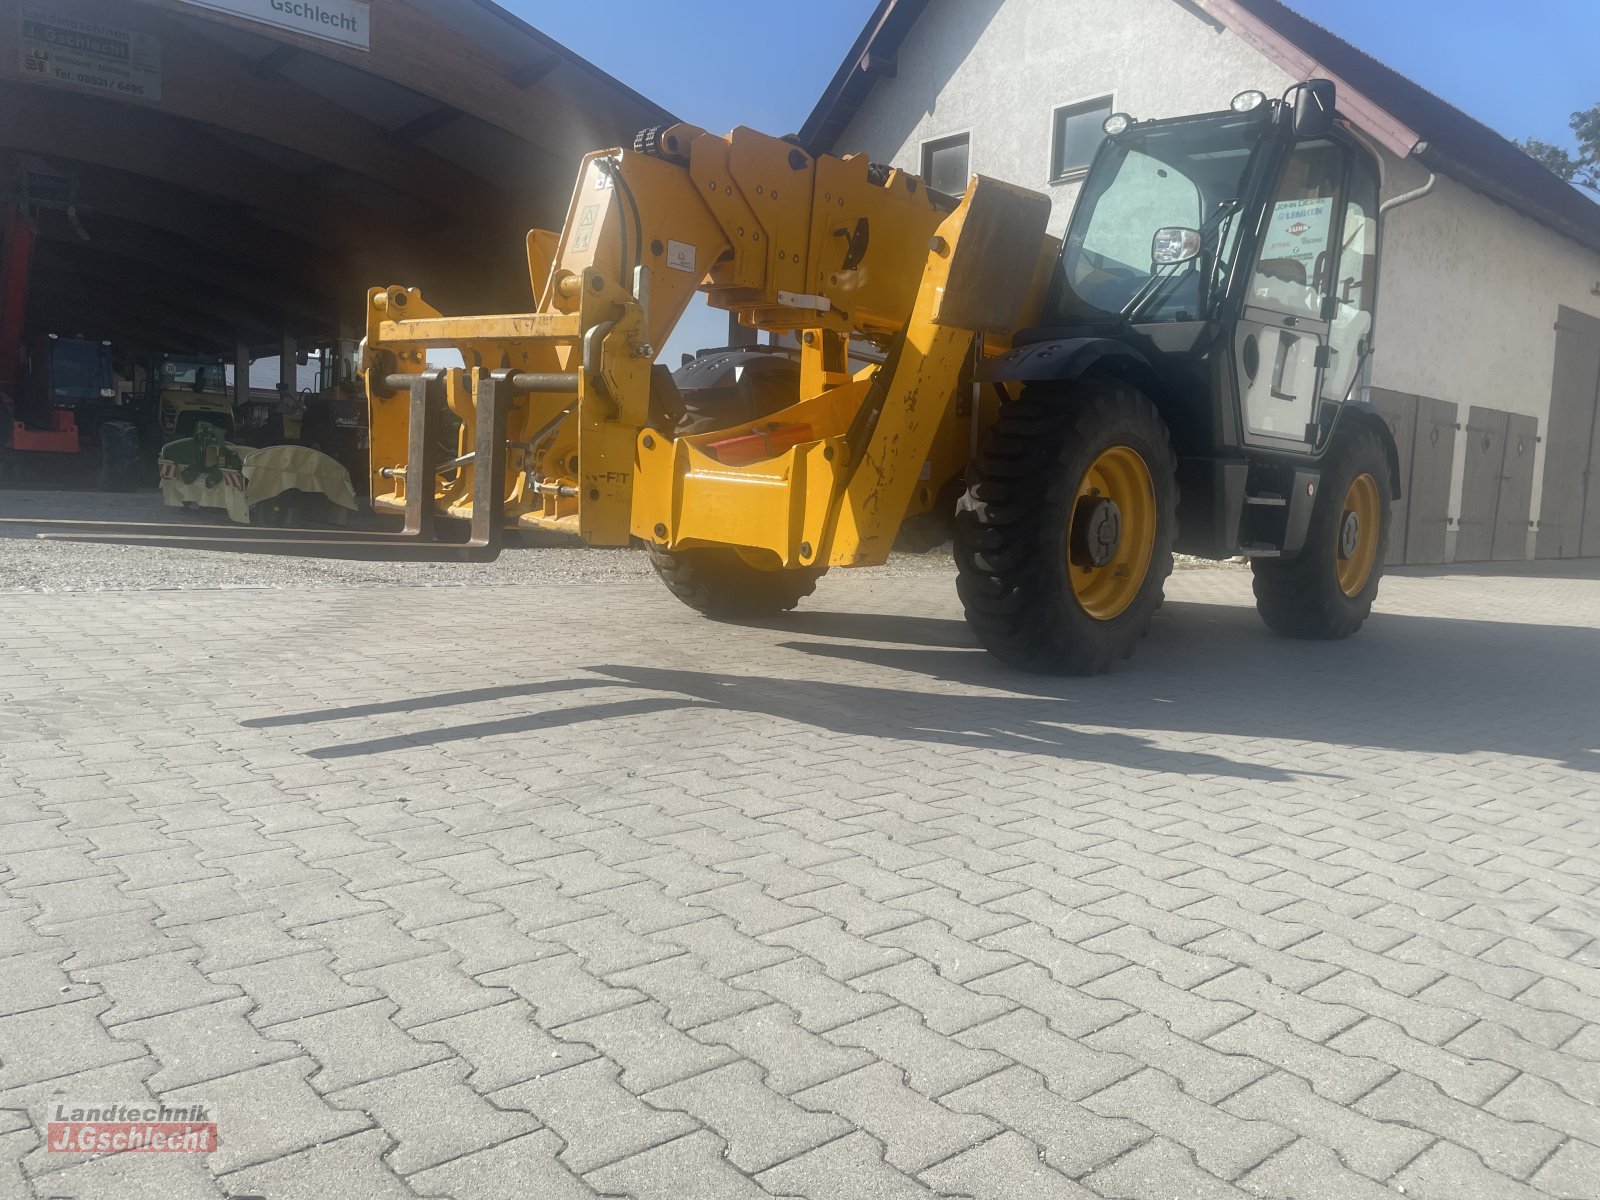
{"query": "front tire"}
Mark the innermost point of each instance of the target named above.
(1326, 591)
(1064, 537)
(720, 583)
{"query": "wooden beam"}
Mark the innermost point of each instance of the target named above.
(140, 259)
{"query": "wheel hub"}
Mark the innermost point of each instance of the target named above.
(1349, 533)
(1096, 531)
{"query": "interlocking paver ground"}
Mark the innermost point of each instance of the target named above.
(559, 890)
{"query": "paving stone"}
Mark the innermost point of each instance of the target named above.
(430, 989)
(36, 980)
(433, 1115)
(1074, 1138)
(852, 1166)
(1222, 1144)
(1571, 1171)
(1496, 1044)
(650, 1051)
(820, 1002)
(1421, 1020)
(267, 1112)
(45, 1043)
(1312, 1019)
(1471, 1080)
(1006, 1167)
(483, 944)
(722, 949)
(538, 904)
(523, 1167)
(1204, 1072)
(169, 1176)
(945, 1006)
(691, 1165)
(1511, 1147)
(933, 1063)
(199, 900)
(1159, 1168)
(915, 1132)
(1197, 1014)
(1374, 1139)
(1447, 1172)
(954, 958)
(791, 1057)
(599, 1120)
(196, 1044)
(842, 954)
(1070, 1011)
(560, 990)
(1182, 968)
(760, 1127)
(1529, 1098)
(240, 940)
(147, 987)
(1066, 961)
(1070, 1068)
(355, 1161)
(1543, 1027)
(1341, 1076)
(1308, 1170)
(300, 986)
(356, 1044)
(605, 944)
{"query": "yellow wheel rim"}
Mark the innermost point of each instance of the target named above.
(1112, 532)
(1360, 521)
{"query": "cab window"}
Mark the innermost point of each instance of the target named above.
(1291, 272)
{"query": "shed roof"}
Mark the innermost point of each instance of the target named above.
(276, 176)
(1405, 117)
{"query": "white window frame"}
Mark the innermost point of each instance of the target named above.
(922, 152)
(1076, 173)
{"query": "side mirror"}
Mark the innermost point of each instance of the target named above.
(1314, 107)
(1173, 245)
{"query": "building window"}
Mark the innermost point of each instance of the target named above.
(1077, 136)
(944, 163)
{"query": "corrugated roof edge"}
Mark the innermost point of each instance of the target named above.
(1449, 141)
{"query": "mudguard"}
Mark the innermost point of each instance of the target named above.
(1061, 359)
(1355, 410)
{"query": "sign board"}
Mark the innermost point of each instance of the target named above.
(88, 55)
(1299, 230)
(347, 22)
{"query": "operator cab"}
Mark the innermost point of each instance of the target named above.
(1236, 252)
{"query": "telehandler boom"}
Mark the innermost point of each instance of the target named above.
(1206, 327)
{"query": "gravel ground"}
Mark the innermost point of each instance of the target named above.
(28, 564)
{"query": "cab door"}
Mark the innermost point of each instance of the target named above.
(1281, 343)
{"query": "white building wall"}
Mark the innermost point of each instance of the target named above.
(1469, 288)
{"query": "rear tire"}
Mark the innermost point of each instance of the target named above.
(1027, 527)
(1325, 593)
(718, 583)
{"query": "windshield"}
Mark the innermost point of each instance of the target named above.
(79, 370)
(201, 374)
(1188, 174)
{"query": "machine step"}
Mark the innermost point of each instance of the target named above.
(1267, 500)
(1260, 550)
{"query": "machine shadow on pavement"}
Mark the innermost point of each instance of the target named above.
(1409, 684)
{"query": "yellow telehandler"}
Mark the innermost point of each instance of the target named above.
(1185, 370)
(1203, 332)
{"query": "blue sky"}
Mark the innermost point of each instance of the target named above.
(1520, 66)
